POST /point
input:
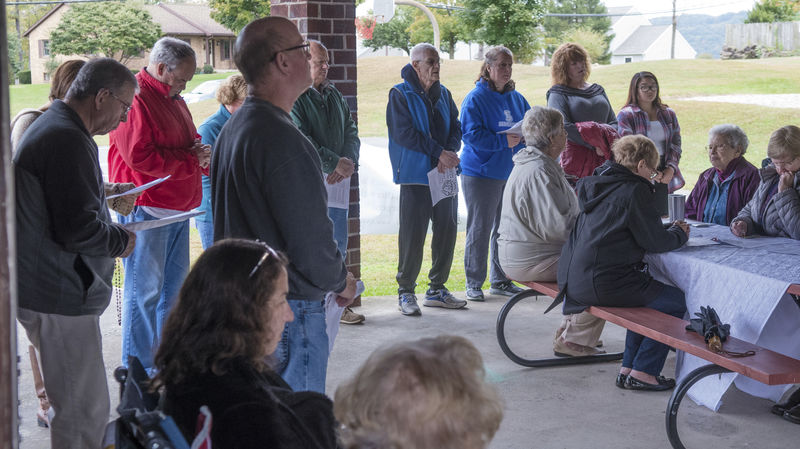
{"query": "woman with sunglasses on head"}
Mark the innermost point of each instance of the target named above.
(602, 261)
(645, 114)
(228, 319)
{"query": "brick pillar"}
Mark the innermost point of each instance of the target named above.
(332, 22)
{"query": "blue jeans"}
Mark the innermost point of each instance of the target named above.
(339, 218)
(645, 354)
(154, 273)
(302, 353)
(206, 230)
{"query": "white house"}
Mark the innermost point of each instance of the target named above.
(636, 39)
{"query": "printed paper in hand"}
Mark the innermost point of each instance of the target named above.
(333, 313)
(516, 129)
(339, 193)
(152, 224)
(442, 185)
(141, 188)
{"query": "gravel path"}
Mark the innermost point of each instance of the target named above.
(784, 101)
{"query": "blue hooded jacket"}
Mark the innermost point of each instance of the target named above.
(484, 112)
(420, 126)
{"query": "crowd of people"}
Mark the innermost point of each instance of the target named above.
(576, 196)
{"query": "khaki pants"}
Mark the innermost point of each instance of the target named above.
(545, 271)
(71, 352)
(581, 328)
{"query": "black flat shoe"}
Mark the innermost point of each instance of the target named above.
(632, 383)
(782, 407)
(793, 414)
(620, 382)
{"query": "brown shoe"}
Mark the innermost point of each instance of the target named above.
(350, 317)
(563, 348)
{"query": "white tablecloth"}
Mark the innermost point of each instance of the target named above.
(745, 280)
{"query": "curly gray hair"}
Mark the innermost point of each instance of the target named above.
(540, 125)
(734, 135)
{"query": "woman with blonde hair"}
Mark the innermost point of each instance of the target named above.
(602, 261)
(585, 108)
(424, 394)
(774, 209)
(230, 95)
(491, 107)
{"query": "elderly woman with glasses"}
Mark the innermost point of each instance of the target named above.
(722, 190)
(602, 261)
(645, 114)
(215, 348)
(492, 106)
(774, 209)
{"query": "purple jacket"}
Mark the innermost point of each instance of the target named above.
(632, 120)
(743, 186)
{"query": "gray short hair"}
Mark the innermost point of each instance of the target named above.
(171, 51)
(540, 125)
(733, 134)
(100, 73)
(418, 52)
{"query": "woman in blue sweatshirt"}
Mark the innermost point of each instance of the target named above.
(492, 106)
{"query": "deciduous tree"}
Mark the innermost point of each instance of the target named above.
(235, 14)
(558, 28)
(770, 11)
(115, 30)
(513, 23)
(451, 29)
(394, 33)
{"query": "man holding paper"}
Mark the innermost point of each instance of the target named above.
(424, 134)
(159, 139)
(322, 114)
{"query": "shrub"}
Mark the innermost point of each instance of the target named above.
(24, 77)
(208, 68)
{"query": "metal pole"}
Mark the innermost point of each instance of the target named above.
(9, 435)
(674, 27)
(436, 39)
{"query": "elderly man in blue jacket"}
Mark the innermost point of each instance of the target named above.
(424, 133)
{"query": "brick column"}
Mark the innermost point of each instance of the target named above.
(332, 22)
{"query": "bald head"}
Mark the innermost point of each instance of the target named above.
(257, 43)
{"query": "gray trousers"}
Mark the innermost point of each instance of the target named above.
(484, 198)
(416, 212)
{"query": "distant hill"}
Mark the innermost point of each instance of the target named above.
(705, 33)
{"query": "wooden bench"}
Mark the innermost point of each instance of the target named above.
(768, 367)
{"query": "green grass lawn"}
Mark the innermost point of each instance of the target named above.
(678, 79)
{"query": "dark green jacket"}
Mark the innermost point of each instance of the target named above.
(325, 119)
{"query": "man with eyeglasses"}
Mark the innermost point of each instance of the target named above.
(266, 184)
(159, 139)
(66, 245)
(424, 133)
(323, 116)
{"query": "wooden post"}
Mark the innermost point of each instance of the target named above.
(9, 436)
(332, 22)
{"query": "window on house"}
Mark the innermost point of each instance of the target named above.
(46, 76)
(225, 49)
(627, 60)
(44, 48)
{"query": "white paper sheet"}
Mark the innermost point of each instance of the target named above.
(442, 185)
(339, 193)
(141, 188)
(333, 313)
(516, 129)
(152, 224)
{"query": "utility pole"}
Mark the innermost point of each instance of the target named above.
(19, 37)
(674, 28)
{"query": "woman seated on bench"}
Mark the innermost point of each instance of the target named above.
(539, 210)
(228, 319)
(774, 210)
(426, 394)
(601, 263)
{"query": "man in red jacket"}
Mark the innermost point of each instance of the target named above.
(159, 139)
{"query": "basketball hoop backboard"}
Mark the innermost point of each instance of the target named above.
(383, 10)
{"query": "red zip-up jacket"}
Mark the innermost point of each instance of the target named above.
(154, 142)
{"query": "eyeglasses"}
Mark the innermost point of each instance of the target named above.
(648, 88)
(268, 251)
(719, 147)
(783, 164)
(654, 174)
(432, 62)
(127, 106)
(305, 46)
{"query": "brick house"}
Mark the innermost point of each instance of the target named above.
(212, 42)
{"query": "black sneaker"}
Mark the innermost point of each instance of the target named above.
(407, 303)
(475, 294)
(505, 289)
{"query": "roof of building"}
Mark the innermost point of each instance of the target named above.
(183, 19)
(641, 39)
(617, 12)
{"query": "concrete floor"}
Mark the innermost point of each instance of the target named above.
(549, 408)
